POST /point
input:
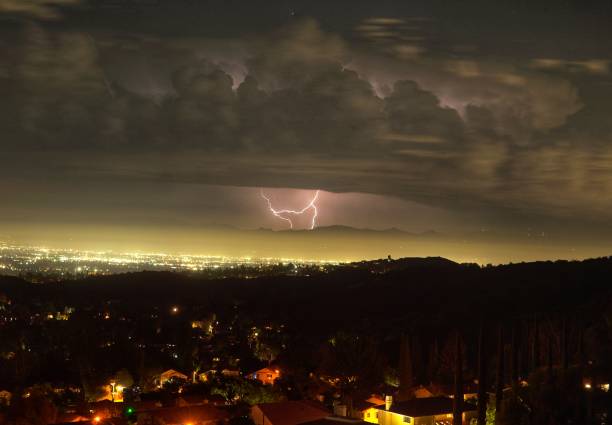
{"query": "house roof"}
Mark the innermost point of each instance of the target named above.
(188, 414)
(336, 420)
(425, 407)
(293, 412)
(422, 392)
(377, 401)
(171, 373)
(370, 403)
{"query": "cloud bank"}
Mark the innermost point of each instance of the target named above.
(304, 108)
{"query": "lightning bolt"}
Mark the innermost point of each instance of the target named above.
(280, 213)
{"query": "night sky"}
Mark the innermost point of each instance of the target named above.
(141, 123)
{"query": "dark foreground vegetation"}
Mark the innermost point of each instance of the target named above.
(532, 342)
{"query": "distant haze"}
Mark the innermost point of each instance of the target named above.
(327, 244)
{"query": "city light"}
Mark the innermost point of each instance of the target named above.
(62, 264)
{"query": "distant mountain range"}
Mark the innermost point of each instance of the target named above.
(326, 230)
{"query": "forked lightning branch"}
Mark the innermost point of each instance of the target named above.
(285, 214)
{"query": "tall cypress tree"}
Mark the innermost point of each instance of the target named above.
(514, 361)
(458, 398)
(406, 376)
(564, 345)
(550, 357)
(482, 377)
(535, 345)
(499, 389)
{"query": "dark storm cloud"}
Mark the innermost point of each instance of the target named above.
(302, 107)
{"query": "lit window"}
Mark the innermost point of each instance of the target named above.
(407, 419)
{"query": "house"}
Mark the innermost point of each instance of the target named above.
(169, 375)
(266, 375)
(230, 372)
(288, 412)
(184, 415)
(209, 374)
(421, 411)
(206, 376)
(366, 410)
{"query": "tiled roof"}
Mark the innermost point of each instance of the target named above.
(293, 412)
(336, 420)
(425, 407)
